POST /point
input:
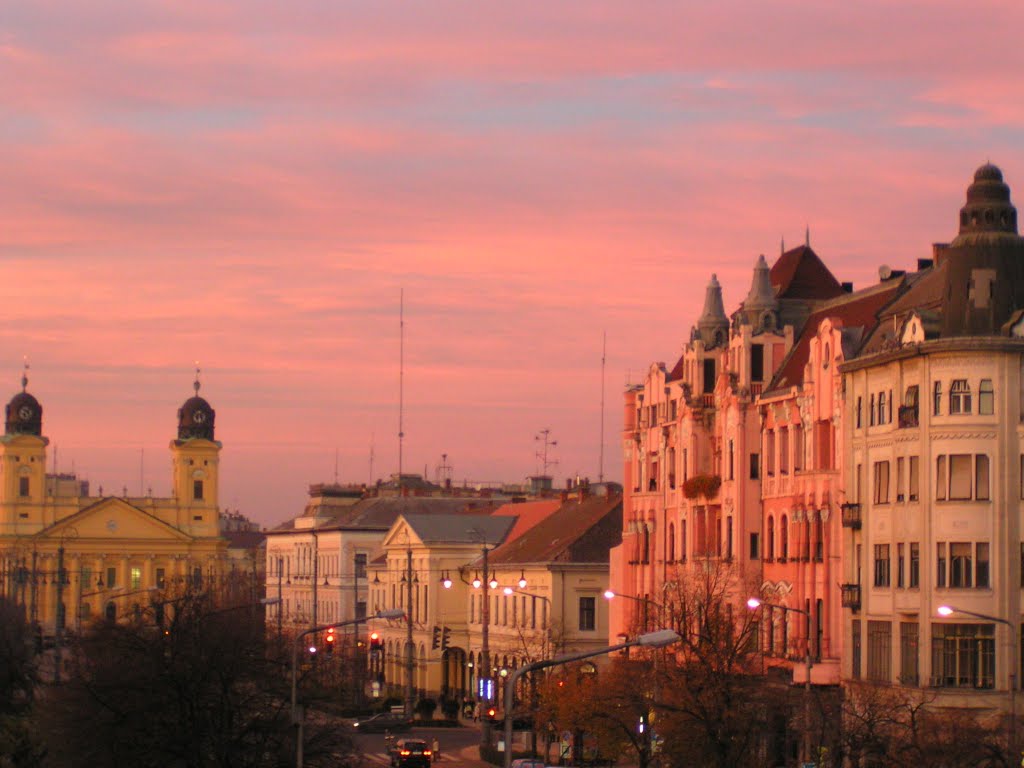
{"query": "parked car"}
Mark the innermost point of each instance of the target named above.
(379, 723)
(411, 753)
(528, 762)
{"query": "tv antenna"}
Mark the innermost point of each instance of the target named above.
(544, 437)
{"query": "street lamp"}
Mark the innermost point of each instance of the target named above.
(610, 594)
(658, 639)
(753, 604)
(947, 611)
(297, 716)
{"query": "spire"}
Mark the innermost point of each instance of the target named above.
(761, 305)
(195, 384)
(807, 236)
(713, 325)
(24, 375)
(782, 246)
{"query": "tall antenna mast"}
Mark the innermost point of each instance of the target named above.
(373, 437)
(142, 472)
(335, 466)
(600, 461)
(401, 381)
(544, 436)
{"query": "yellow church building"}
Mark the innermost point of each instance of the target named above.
(68, 556)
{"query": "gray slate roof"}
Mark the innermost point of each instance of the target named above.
(439, 528)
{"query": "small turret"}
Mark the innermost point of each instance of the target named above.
(761, 307)
(713, 325)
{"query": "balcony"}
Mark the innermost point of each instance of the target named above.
(850, 596)
(851, 516)
(908, 416)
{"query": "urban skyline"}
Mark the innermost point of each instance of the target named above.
(255, 190)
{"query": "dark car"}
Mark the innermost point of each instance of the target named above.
(411, 753)
(385, 721)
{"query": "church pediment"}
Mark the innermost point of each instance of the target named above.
(113, 519)
(401, 535)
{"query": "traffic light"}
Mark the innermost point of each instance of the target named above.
(329, 641)
(444, 638)
(436, 643)
(375, 643)
(492, 713)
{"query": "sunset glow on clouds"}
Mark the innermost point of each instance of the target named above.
(252, 184)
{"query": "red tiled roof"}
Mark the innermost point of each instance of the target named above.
(529, 513)
(800, 274)
(677, 370)
(563, 535)
(854, 310)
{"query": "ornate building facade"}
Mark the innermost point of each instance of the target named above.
(69, 556)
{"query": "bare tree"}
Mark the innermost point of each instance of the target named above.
(18, 681)
(198, 690)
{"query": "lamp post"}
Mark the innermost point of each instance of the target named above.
(753, 604)
(610, 594)
(297, 716)
(948, 610)
(657, 639)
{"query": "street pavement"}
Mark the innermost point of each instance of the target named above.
(459, 746)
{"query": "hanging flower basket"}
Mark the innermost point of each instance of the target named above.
(702, 485)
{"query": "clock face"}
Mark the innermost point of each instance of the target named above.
(199, 417)
(111, 525)
(25, 412)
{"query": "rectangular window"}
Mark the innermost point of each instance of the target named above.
(900, 478)
(959, 397)
(754, 549)
(940, 478)
(981, 492)
(881, 482)
(757, 362)
(197, 577)
(784, 451)
(871, 412)
(959, 476)
(860, 408)
(888, 413)
(913, 477)
(900, 583)
(360, 565)
(755, 466)
(940, 564)
(111, 577)
(881, 565)
(981, 565)
(798, 448)
(915, 565)
(361, 609)
(23, 486)
(587, 614)
(197, 490)
(909, 669)
(161, 578)
(769, 452)
(937, 399)
(855, 640)
(963, 655)
(881, 408)
(732, 460)
(879, 651)
(135, 581)
(986, 398)
(709, 375)
(960, 566)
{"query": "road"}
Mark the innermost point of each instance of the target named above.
(455, 742)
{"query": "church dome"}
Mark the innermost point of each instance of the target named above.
(196, 417)
(24, 414)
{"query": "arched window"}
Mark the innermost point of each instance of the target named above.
(783, 539)
(110, 613)
(671, 557)
(771, 538)
(646, 546)
(819, 539)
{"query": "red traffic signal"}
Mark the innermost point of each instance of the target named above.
(329, 639)
(492, 713)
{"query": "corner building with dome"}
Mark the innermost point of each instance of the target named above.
(69, 556)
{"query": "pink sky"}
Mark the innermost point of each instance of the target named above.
(251, 185)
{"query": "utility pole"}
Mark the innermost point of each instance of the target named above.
(59, 628)
(485, 648)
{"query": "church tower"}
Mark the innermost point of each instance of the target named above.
(23, 463)
(196, 459)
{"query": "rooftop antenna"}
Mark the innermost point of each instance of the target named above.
(335, 466)
(372, 438)
(401, 380)
(142, 470)
(600, 460)
(544, 436)
(444, 470)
